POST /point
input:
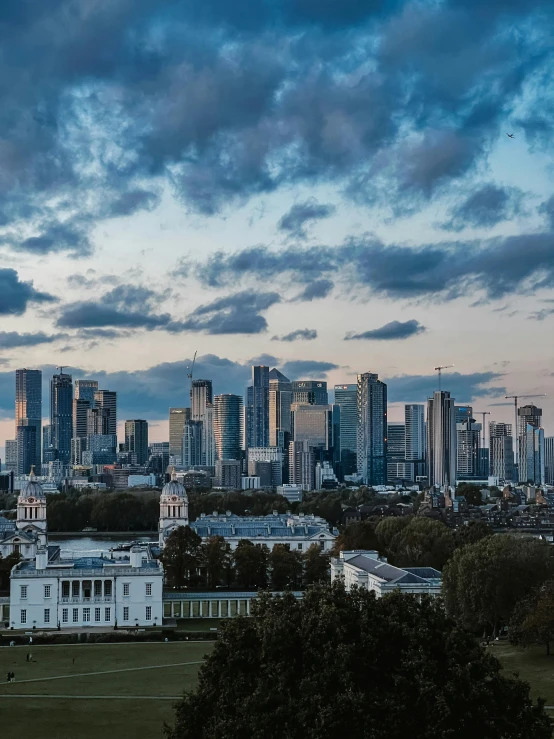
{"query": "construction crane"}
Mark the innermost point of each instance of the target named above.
(189, 375)
(440, 369)
(515, 398)
(483, 413)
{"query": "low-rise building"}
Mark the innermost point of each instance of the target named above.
(364, 568)
(292, 492)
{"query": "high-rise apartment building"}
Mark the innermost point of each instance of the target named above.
(528, 417)
(549, 460)
(372, 429)
(257, 408)
(228, 426)
(136, 439)
(346, 397)
(313, 392)
(441, 439)
(313, 424)
(61, 415)
(28, 414)
(501, 451)
(228, 473)
(280, 398)
(301, 464)
(468, 444)
(414, 421)
(85, 389)
(11, 455)
(270, 457)
(192, 444)
(463, 413)
(396, 450)
(177, 418)
(107, 400)
(201, 395)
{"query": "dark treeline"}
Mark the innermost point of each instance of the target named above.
(189, 562)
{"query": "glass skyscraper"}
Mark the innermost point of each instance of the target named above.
(310, 391)
(228, 426)
(28, 419)
(257, 408)
(346, 397)
(61, 415)
(136, 439)
(372, 429)
(441, 439)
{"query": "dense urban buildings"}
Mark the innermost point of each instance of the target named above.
(372, 429)
(136, 440)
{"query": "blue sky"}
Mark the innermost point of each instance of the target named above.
(327, 186)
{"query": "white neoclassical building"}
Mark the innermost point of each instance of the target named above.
(28, 532)
(174, 508)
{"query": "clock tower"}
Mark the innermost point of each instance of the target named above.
(174, 508)
(31, 510)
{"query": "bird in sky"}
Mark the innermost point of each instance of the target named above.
(510, 135)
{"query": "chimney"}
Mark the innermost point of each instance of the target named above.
(136, 557)
(41, 560)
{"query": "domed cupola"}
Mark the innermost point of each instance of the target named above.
(31, 509)
(32, 488)
(174, 487)
(174, 508)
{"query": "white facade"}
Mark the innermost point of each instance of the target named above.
(174, 508)
(293, 493)
(250, 483)
(29, 532)
(87, 592)
(364, 569)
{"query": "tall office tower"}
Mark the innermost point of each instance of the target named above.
(201, 395)
(549, 460)
(136, 439)
(80, 416)
(158, 460)
(527, 415)
(61, 415)
(101, 450)
(11, 455)
(28, 412)
(346, 397)
(501, 446)
(99, 421)
(177, 418)
(228, 426)
(314, 424)
(396, 451)
(463, 413)
(107, 400)
(468, 444)
(372, 429)
(257, 408)
(192, 444)
(268, 458)
(28, 447)
(301, 464)
(280, 398)
(209, 450)
(414, 420)
(49, 452)
(531, 460)
(85, 389)
(441, 439)
(313, 392)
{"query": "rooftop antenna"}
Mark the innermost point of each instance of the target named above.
(440, 369)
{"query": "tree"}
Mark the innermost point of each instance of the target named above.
(316, 565)
(348, 664)
(217, 561)
(422, 542)
(388, 528)
(182, 557)
(285, 567)
(472, 493)
(250, 563)
(471, 534)
(483, 582)
(359, 535)
(532, 621)
(6, 566)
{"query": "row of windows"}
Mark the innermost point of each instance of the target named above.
(87, 612)
(97, 589)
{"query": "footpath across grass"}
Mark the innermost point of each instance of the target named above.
(532, 665)
(132, 694)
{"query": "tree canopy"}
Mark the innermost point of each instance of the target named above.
(532, 620)
(348, 664)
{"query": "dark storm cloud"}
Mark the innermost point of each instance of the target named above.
(306, 368)
(315, 290)
(497, 267)
(13, 339)
(301, 334)
(15, 294)
(464, 388)
(103, 102)
(294, 222)
(390, 331)
(234, 314)
(485, 207)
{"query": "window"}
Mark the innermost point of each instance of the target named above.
(46, 615)
(107, 614)
(23, 589)
(47, 591)
(75, 615)
(97, 588)
(149, 613)
(125, 588)
(23, 618)
(86, 615)
(148, 589)
(107, 588)
(300, 546)
(126, 613)
(65, 615)
(97, 614)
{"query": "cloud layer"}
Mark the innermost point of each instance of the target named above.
(390, 331)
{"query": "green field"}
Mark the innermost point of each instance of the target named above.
(55, 697)
(532, 665)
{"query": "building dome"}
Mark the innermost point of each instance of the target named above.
(174, 488)
(32, 488)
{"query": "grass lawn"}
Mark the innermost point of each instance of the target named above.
(199, 624)
(67, 709)
(532, 665)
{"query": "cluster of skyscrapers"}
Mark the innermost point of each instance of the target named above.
(281, 432)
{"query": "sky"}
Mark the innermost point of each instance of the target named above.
(325, 187)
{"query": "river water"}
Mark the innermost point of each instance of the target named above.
(92, 546)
